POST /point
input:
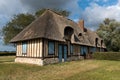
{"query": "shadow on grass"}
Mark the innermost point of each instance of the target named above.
(6, 61)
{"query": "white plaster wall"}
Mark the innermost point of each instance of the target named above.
(30, 61)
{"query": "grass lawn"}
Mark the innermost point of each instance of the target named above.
(75, 70)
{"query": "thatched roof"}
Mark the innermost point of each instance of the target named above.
(92, 37)
(51, 26)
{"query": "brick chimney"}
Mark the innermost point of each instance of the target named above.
(81, 24)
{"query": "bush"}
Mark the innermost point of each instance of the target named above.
(107, 55)
(7, 53)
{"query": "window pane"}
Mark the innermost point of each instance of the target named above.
(71, 49)
(85, 50)
(93, 49)
(24, 47)
(81, 50)
(65, 49)
(51, 47)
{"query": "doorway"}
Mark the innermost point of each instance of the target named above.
(62, 52)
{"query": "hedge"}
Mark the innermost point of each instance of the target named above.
(107, 55)
(7, 53)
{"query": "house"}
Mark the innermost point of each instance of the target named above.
(52, 38)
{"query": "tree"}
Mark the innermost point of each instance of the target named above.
(109, 30)
(58, 11)
(20, 21)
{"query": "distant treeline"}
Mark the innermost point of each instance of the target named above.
(7, 53)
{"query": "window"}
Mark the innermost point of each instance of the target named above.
(24, 48)
(80, 34)
(68, 31)
(93, 49)
(85, 30)
(96, 41)
(81, 50)
(71, 49)
(101, 43)
(51, 48)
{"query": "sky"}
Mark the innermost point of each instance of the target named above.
(93, 12)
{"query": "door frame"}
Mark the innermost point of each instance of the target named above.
(63, 56)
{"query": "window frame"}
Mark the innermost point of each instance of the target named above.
(24, 45)
(81, 50)
(49, 48)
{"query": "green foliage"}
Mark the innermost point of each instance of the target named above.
(58, 11)
(109, 30)
(39, 12)
(107, 55)
(7, 53)
(20, 21)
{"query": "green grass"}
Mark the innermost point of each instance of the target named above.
(75, 70)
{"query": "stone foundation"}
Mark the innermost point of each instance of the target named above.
(50, 61)
(75, 58)
(46, 60)
(30, 61)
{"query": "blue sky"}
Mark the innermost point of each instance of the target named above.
(86, 3)
(92, 11)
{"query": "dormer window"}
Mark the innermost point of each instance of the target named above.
(80, 34)
(96, 41)
(101, 43)
(85, 30)
(68, 31)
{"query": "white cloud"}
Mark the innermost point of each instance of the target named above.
(95, 14)
(74, 8)
(70, 5)
(8, 8)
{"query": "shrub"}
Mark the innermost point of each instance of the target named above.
(107, 55)
(7, 53)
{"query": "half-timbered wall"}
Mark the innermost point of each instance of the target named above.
(76, 50)
(37, 51)
(34, 48)
(19, 49)
(46, 55)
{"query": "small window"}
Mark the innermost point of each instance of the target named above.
(68, 31)
(51, 48)
(71, 49)
(24, 48)
(93, 49)
(101, 42)
(85, 30)
(80, 34)
(81, 50)
(96, 42)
